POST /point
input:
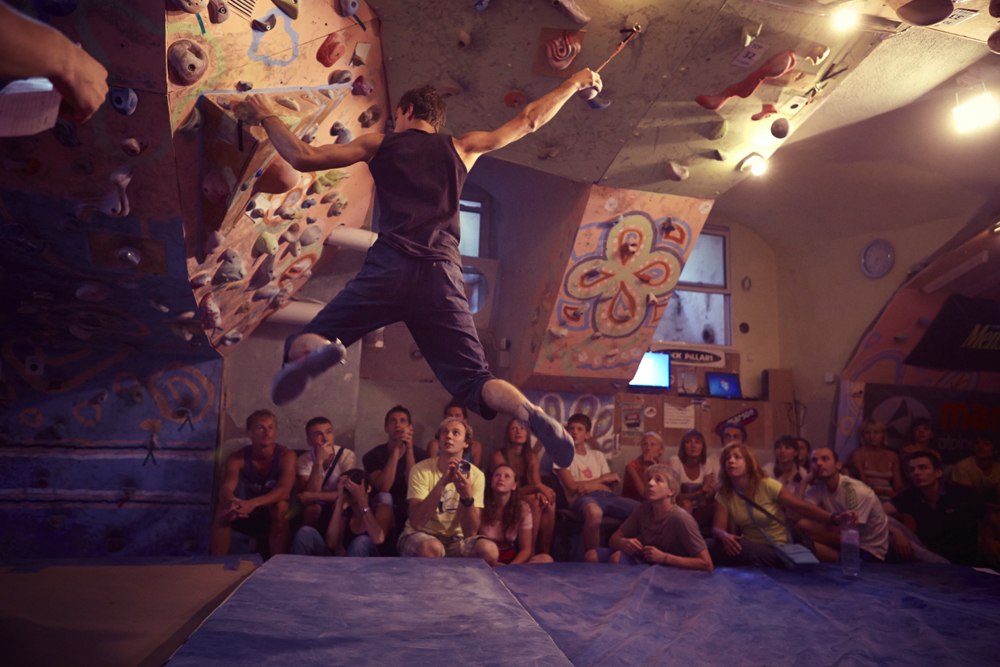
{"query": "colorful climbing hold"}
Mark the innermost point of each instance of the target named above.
(187, 61)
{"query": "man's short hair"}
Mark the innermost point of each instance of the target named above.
(427, 105)
(259, 414)
(934, 457)
(836, 456)
(398, 408)
(739, 427)
(457, 420)
(666, 471)
(580, 418)
(316, 421)
(455, 403)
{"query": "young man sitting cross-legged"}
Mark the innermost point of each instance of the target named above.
(446, 499)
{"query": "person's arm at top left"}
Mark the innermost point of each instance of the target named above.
(31, 48)
(536, 114)
(257, 110)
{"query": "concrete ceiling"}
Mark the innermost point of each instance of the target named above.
(872, 150)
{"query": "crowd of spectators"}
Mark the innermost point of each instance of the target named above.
(680, 506)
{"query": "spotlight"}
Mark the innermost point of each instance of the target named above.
(975, 113)
(754, 164)
(845, 17)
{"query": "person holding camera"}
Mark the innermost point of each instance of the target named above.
(445, 499)
(359, 522)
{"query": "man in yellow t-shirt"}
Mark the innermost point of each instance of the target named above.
(445, 498)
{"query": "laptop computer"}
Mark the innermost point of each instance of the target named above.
(724, 385)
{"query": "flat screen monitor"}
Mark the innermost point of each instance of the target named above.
(653, 372)
(723, 385)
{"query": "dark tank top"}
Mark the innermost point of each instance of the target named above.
(418, 179)
(259, 484)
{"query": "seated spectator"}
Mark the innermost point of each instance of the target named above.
(945, 516)
(732, 434)
(803, 448)
(506, 520)
(745, 533)
(473, 454)
(839, 494)
(658, 531)
(920, 439)
(446, 502)
(698, 477)
(359, 523)
(318, 484)
(589, 484)
(519, 455)
(651, 446)
(980, 472)
(389, 466)
(256, 485)
(784, 467)
(874, 464)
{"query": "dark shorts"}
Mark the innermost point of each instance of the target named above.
(429, 297)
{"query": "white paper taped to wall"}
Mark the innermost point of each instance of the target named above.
(28, 106)
(675, 417)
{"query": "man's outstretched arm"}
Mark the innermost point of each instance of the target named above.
(303, 157)
(536, 114)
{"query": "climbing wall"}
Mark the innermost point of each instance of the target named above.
(880, 359)
(598, 316)
(141, 244)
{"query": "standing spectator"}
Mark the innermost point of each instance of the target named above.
(541, 498)
(256, 484)
(651, 448)
(876, 465)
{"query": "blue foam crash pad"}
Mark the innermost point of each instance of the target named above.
(652, 615)
(300, 610)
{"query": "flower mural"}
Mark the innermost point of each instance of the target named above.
(624, 282)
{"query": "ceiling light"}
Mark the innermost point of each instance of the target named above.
(975, 113)
(845, 17)
(754, 164)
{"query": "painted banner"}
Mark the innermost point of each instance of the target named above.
(957, 417)
(965, 336)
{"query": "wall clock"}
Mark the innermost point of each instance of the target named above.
(877, 258)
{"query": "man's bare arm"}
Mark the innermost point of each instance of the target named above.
(302, 156)
(536, 114)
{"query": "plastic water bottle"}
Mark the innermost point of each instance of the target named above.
(850, 551)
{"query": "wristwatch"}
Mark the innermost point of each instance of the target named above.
(467, 502)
